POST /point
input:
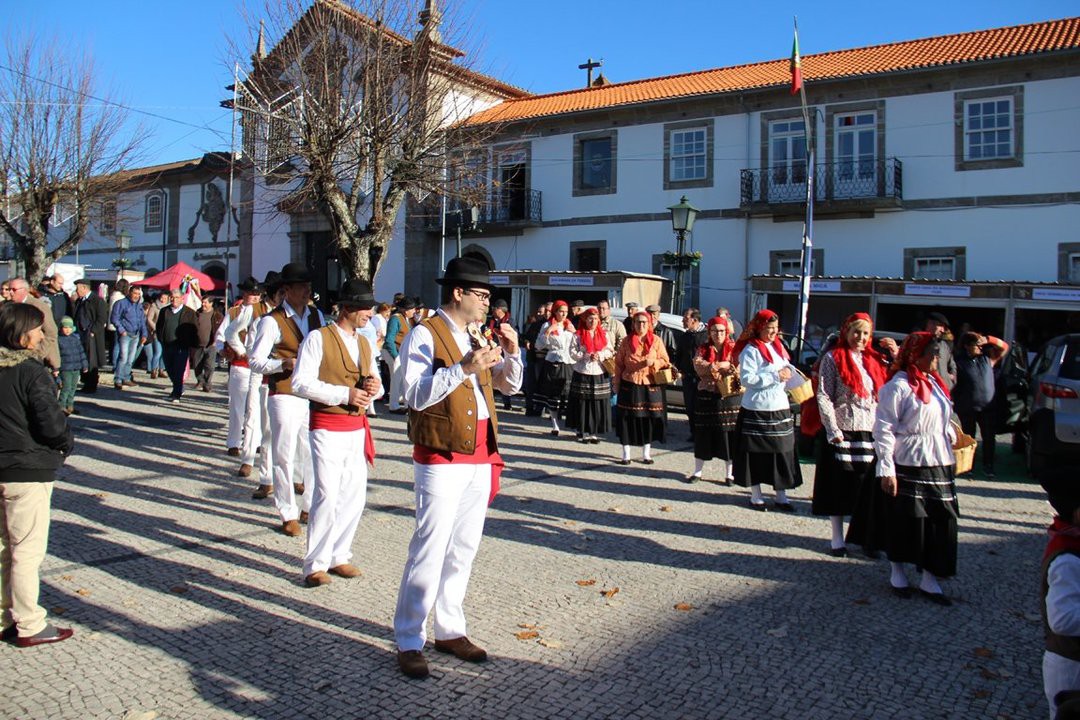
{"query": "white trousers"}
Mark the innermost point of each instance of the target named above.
(239, 386)
(396, 381)
(256, 421)
(337, 501)
(451, 503)
(292, 451)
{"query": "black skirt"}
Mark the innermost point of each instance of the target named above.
(554, 388)
(589, 407)
(765, 449)
(714, 425)
(922, 519)
(641, 414)
(842, 471)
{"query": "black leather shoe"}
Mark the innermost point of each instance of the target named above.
(10, 633)
(760, 507)
(838, 552)
(903, 593)
(783, 507)
(648, 461)
(622, 462)
(691, 479)
(936, 598)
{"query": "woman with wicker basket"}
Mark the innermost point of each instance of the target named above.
(719, 395)
(554, 339)
(913, 441)
(640, 360)
(589, 408)
(849, 379)
(765, 430)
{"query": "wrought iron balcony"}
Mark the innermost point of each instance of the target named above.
(838, 187)
(507, 208)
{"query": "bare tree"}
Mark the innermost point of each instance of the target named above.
(352, 115)
(62, 147)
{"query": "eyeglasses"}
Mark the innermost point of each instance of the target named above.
(478, 294)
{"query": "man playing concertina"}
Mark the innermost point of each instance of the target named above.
(450, 376)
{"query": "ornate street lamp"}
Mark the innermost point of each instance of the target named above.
(123, 244)
(682, 222)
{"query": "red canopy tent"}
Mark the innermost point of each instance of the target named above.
(173, 277)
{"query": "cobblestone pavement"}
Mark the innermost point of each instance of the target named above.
(600, 591)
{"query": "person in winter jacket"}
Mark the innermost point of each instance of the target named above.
(73, 363)
(34, 440)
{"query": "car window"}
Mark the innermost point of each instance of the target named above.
(1070, 366)
(1045, 359)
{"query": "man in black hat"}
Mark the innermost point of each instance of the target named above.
(232, 332)
(449, 378)
(576, 308)
(397, 328)
(938, 326)
(337, 371)
(277, 341)
(91, 315)
(257, 438)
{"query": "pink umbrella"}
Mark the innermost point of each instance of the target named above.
(174, 277)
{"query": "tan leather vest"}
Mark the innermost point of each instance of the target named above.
(450, 425)
(337, 368)
(257, 311)
(288, 346)
(403, 329)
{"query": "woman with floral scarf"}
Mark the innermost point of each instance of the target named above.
(589, 409)
(715, 415)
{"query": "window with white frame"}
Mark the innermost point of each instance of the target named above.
(935, 267)
(988, 129)
(787, 160)
(789, 262)
(688, 154)
(856, 145)
(152, 213)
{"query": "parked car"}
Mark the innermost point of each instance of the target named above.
(674, 392)
(1053, 432)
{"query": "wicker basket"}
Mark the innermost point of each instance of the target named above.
(799, 387)
(609, 366)
(729, 385)
(964, 451)
(663, 376)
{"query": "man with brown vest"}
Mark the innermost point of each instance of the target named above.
(397, 328)
(257, 437)
(277, 341)
(450, 374)
(337, 372)
(232, 333)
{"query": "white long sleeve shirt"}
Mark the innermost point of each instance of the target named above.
(556, 346)
(1063, 615)
(268, 335)
(233, 328)
(910, 432)
(765, 390)
(305, 378)
(424, 388)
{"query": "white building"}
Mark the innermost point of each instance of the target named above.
(947, 178)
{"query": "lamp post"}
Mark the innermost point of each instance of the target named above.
(682, 222)
(466, 219)
(123, 243)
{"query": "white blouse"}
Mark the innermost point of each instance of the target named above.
(557, 346)
(583, 364)
(910, 432)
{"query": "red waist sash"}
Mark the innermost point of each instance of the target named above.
(335, 422)
(483, 456)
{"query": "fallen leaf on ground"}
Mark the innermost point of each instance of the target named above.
(569, 522)
(862, 601)
(65, 577)
(665, 508)
(179, 589)
(984, 652)
(553, 644)
(585, 583)
(684, 607)
(101, 495)
(981, 694)
(529, 626)
(83, 591)
(609, 593)
(524, 500)
(778, 632)
(58, 610)
(614, 509)
(723, 529)
(527, 635)
(989, 674)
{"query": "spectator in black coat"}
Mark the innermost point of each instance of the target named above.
(91, 315)
(696, 334)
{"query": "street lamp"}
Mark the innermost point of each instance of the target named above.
(123, 244)
(466, 219)
(682, 222)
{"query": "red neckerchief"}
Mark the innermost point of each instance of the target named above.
(710, 354)
(912, 349)
(848, 369)
(1064, 537)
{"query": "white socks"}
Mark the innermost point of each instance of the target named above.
(781, 496)
(755, 495)
(555, 423)
(898, 578)
(730, 470)
(699, 467)
(837, 531)
(626, 453)
(646, 451)
(929, 583)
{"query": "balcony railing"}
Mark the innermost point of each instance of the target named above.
(508, 208)
(873, 183)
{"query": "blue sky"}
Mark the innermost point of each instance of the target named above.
(171, 59)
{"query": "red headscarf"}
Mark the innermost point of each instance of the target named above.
(914, 346)
(650, 336)
(566, 324)
(726, 352)
(594, 341)
(872, 361)
(750, 336)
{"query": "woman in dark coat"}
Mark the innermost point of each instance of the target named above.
(34, 440)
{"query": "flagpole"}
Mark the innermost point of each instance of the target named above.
(808, 223)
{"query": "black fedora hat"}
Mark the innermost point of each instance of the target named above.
(466, 273)
(249, 285)
(295, 273)
(356, 293)
(272, 281)
(406, 303)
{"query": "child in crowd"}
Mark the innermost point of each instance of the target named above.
(73, 363)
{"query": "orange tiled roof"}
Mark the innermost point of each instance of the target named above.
(894, 57)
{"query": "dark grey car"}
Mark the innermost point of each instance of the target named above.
(1054, 405)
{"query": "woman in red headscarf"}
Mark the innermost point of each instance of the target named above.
(849, 379)
(719, 394)
(554, 339)
(765, 429)
(913, 442)
(640, 420)
(589, 410)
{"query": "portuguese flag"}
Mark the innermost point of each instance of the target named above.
(796, 65)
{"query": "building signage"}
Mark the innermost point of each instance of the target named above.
(938, 290)
(1059, 294)
(826, 286)
(571, 280)
(499, 279)
(213, 256)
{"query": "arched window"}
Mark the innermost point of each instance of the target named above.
(152, 214)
